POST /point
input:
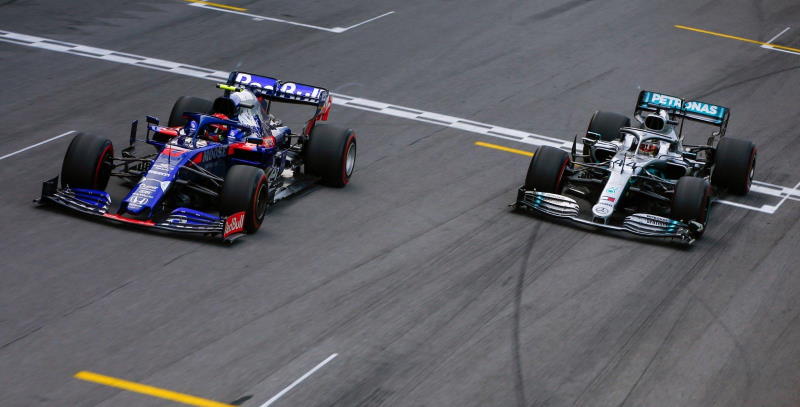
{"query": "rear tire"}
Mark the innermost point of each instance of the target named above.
(692, 201)
(546, 170)
(734, 165)
(245, 189)
(187, 104)
(88, 162)
(331, 154)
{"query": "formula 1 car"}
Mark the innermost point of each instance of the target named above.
(644, 179)
(217, 166)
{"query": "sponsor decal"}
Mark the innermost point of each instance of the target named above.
(665, 100)
(138, 200)
(259, 82)
(159, 173)
(704, 109)
(609, 198)
(612, 190)
(602, 209)
(289, 88)
(234, 224)
(214, 154)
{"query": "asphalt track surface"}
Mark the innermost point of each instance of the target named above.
(417, 275)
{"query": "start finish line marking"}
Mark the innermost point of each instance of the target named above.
(485, 129)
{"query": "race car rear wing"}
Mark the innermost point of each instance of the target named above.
(278, 91)
(691, 109)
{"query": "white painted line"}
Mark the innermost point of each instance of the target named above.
(37, 144)
(256, 17)
(374, 106)
(769, 209)
(779, 50)
(768, 45)
(775, 37)
(367, 21)
(298, 381)
(785, 198)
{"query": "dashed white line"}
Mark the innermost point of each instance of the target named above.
(37, 144)
(298, 381)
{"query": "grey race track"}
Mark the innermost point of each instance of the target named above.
(431, 291)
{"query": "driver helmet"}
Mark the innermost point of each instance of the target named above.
(215, 132)
(657, 121)
(649, 148)
(244, 97)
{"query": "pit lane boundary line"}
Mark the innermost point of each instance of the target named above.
(374, 106)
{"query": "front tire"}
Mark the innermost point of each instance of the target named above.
(546, 170)
(692, 201)
(245, 189)
(606, 126)
(88, 162)
(187, 104)
(734, 165)
(331, 154)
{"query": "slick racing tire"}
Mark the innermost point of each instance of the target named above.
(88, 162)
(546, 170)
(734, 165)
(245, 189)
(607, 125)
(330, 154)
(187, 104)
(692, 201)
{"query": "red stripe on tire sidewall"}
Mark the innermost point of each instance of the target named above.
(99, 164)
(254, 204)
(345, 178)
(561, 176)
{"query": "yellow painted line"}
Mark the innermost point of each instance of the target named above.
(733, 37)
(225, 6)
(148, 390)
(502, 148)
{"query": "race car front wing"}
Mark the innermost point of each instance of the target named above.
(185, 220)
(642, 224)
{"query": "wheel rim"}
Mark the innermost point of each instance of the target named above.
(350, 161)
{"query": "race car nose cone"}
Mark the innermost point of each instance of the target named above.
(602, 210)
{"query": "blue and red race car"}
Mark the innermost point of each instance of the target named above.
(217, 166)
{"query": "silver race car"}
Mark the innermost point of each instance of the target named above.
(642, 179)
